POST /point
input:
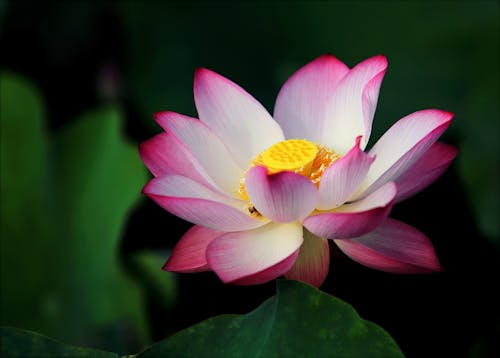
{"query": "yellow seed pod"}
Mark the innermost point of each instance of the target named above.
(289, 155)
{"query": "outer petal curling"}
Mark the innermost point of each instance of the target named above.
(255, 256)
(343, 178)
(428, 168)
(353, 105)
(403, 144)
(208, 150)
(189, 254)
(356, 219)
(238, 119)
(300, 107)
(164, 155)
(393, 247)
(281, 197)
(200, 205)
(313, 261)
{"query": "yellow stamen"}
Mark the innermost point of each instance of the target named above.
(323, 160)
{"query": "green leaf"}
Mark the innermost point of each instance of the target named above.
(21, 343)
(25, 227)
(63, 209)
(300, 321)
(98, 178)
(159, 284)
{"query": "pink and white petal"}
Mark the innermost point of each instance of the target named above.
(270, 273)
(200, 205)
(353, 105)
(393, 247)
(155, 154)
(255, 256)
(301, 104)
(426, 170)
(343, 178)
(189, 255)
(381, 197)
(403, 144)
(313, 261)
(281, 197)
(164, 155)
(355, 219)
(205, 147)
(238, 119)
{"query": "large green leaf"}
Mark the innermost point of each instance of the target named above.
(25, 228)
(300, 321)
(21, 343)
(63, 210)
(97, 178)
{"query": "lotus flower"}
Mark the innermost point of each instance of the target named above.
(267, 193)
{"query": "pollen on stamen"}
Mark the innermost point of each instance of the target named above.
(323, 160)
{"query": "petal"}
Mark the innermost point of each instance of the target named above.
(302, 101)
(164, 155)
(200, 205)
(356, 219)
(313, 261)
(270, 273)
(393, 247)
(427, 169)
(206, 148)
(238, 119)
(352, 107)
(255, 256)
(281, 197)
(189, 255)
(343, 178)
(403, 144)
(155, 154)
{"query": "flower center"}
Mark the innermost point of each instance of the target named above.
(295, 155)
(289, 155)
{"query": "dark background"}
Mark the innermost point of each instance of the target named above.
(141, 57)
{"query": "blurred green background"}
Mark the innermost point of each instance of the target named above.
(82, 250)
